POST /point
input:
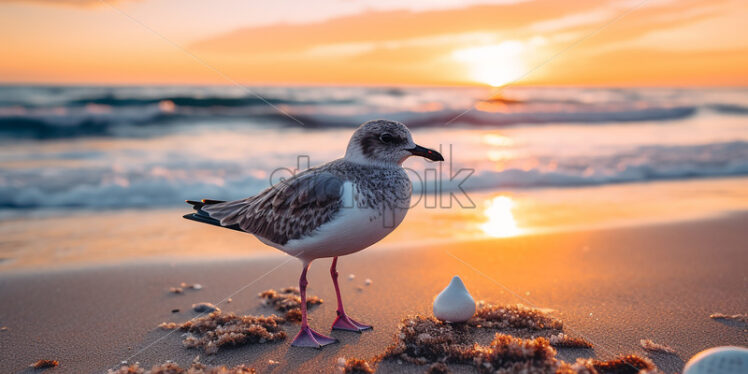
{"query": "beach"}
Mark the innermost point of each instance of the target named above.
(619, 212)
(497, 187)
(612, 287)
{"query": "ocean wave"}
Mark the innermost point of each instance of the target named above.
(102, 122)
(201, 102)
(729, 108)
(69, 112)
(47, 128)
(626, 114)
(71, 96)
(169, 184)
(471, 117)
(642, 164)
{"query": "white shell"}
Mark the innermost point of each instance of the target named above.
(454, 303)
(719, 360)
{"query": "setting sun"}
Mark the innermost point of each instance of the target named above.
(495, 65)
(501, 223)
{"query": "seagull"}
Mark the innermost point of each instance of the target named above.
(336, 209)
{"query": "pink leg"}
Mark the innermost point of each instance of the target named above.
(308, 337)
(343, 322)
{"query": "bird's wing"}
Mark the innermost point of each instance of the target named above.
(290, 209)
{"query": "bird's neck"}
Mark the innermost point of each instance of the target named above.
(360, 159)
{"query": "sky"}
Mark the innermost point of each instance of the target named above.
(376, 42)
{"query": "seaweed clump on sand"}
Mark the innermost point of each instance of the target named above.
(173, 368)
(513, 316)
(217, 330)
(730, 317)
(651, 346)
(511, 354)
(525, 322)
(629, 364)
(422, 340)
(354, 366)
(565, 341)
(438, 368)
(426, 340)
(45, 364)
(288, 301)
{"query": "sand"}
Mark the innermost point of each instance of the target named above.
(612, 287)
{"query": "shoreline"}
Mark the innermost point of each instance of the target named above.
(613, 287)
(264, 253)
(97, 238)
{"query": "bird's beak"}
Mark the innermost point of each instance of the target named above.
(427, 153)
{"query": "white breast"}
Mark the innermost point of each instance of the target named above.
(353, 229)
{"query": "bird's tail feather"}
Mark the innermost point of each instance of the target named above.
(203, 216)
(228, 213)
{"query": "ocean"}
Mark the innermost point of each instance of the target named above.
(126, 147)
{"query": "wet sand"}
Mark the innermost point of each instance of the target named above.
(612, 287)
(59, 239)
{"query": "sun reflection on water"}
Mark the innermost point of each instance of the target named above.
(501, 223)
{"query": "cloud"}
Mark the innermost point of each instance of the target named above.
(76, 3)
(576, 19)
(378, 26)
(392, 29)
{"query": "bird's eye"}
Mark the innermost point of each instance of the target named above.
(386, 138)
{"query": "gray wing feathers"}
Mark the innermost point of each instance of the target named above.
(313, 189)
(288, 210)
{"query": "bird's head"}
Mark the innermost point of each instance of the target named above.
(385, 142)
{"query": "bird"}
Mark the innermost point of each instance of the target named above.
(332, 210)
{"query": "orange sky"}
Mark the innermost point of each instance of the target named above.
(662, 42)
